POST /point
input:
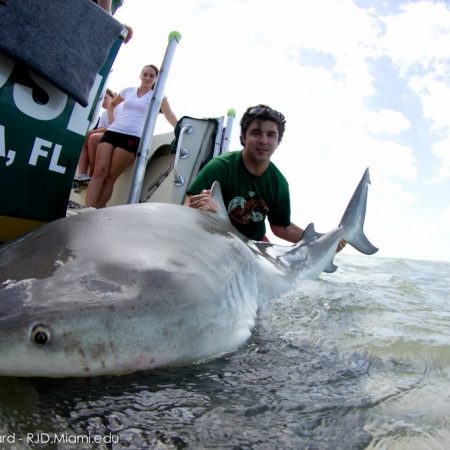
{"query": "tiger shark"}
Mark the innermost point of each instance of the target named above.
(136, 287)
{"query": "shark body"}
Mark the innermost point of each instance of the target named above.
(135, 287)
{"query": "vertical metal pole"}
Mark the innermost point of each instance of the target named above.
(218, 141)
(152, 115)
(231, 114)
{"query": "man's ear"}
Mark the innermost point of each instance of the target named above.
(241, 138)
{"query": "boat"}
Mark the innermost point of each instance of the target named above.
(51, 97)
(171, 162)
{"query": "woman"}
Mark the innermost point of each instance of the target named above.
(84, 163)
(94, 139)
(118, 147)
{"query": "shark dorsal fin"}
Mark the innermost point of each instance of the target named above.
(309, 235)
(216, 195)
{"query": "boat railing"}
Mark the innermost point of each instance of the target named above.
(181, 153)
(226, 136)
(152, 115)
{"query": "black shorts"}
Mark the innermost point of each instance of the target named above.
(128, 142)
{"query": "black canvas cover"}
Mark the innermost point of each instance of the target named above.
(64, 41)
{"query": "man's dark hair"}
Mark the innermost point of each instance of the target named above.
(262, 112)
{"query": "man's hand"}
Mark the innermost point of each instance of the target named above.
(341, 245)
(203, 201)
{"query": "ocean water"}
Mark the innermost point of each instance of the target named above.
(359, 359)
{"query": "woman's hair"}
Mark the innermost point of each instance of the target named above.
(111, 93)
(262, 112)
(152, 66)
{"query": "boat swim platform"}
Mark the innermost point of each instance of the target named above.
(175, 158)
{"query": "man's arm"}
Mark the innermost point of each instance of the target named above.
(294, 233)
(199, 193)
(291, 233)
(187, 200)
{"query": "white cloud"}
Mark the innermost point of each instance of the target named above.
(435, 99)
(418, 36)
(442, 151)
(411, 235)
(418, 42)
(446, 217)
(387, 121)
(235, 53)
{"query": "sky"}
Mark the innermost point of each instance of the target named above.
(362, 83)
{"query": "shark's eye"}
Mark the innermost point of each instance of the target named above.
(40, 335)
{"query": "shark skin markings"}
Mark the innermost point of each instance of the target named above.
(135, 287)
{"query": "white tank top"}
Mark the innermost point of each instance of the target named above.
(134, 111)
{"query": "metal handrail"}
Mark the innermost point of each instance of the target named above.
(231, 114)
(218, 138)
(152, 115)
(181, 153)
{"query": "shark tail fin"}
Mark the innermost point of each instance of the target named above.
(353, 218)
(216, 195)
(363, 245)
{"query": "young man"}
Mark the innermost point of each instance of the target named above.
(252, 186)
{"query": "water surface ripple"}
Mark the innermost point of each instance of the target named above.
(358, 359)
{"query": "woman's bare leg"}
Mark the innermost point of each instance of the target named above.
(121, 160)
(92, 144)
(102, 164)
(83, 162)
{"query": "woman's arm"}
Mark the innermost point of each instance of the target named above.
(105, 4)
(112, 106)
(168, 113)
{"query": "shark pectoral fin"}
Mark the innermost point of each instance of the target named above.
(216, 195)
(330, 268)
(362, 244)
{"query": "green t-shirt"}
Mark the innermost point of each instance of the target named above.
(249, 199)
